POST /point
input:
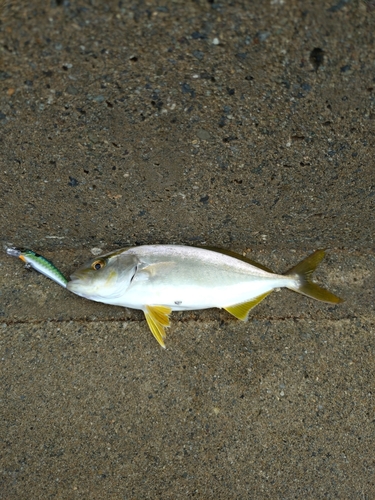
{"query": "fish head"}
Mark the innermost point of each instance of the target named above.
(104, 278)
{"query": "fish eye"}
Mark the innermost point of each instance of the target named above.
(98, 264)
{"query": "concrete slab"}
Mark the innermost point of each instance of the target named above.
(243, 126)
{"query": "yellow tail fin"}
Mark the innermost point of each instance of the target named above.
(303, 272)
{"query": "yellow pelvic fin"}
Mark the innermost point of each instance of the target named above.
(157, 318)
(241, 311)
(303, 271)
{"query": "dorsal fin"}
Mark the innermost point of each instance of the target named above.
(238, 256)
(241, 311)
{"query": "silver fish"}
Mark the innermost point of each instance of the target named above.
(159, 279)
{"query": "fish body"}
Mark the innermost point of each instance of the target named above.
(39, 263)
(159, 279)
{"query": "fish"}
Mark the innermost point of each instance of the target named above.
(159, 279)
(39, 263)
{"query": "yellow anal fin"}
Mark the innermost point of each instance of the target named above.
(241, 311)
(157, 318)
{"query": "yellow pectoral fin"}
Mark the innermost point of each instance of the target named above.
(151, 270)
(157, 318)
(241, 311)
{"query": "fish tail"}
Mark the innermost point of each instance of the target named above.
(302, 273)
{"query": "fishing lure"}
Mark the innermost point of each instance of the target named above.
(35, 261)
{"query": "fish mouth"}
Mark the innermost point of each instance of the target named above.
(72, 285)
(75, 286)
(77, 276)
(75, 283)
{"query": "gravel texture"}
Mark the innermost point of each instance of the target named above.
(243, 125)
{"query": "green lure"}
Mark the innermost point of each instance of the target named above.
(39, 263)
